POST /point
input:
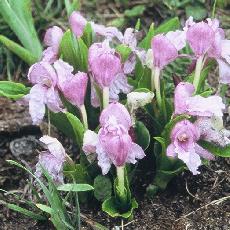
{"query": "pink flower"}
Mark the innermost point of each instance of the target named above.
(52, 159)
(207, 38)
(104, 63)
(74, 89)
(44, 92)
(183, 145)
(165, 48)
(200, 37)
(185, 102)
(118, 111)
(77, 23)
(52, 39)
(113, 144)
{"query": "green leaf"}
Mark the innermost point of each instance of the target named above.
(198, 12)
(45, 208)
(216, 150)
(142, 135)
(12, 90)
(21, 52)
(18, 15)
(135, 11)
(110, 207)
(25, 212)
(77, 126)
(87, 36)
(146, 42)
(124, 51)
(118, 22)
(102, 188)
(138, 24)
(145, 80)
(74, 51)
(162, 141)
(75, 187)
(170, 25)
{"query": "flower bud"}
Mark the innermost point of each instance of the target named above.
(77, 23)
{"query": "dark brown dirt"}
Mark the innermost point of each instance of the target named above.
(187, 203)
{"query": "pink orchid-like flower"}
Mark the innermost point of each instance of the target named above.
(115, 78)
(207, 38)
(52, 160)
(104, 63)
(44, 92)
(52, 40)
(183, 145)
(113, 144)
(165, 47)
(197, 105)
(78, 22)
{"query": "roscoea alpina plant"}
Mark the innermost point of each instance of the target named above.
(107, 91)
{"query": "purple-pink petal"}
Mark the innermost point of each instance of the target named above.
(42, 73)
(75, 89)
(77, 23)
(118, 111)
(164, 51)
(200, 37)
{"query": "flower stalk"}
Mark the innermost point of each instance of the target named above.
(84, 116)
(199, 66)
(105, 97)
(121, 179)
(155, 81)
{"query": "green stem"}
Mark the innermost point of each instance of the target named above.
(78, 211)
(199, 65)
(105, 97)
(214, 9)
(49, 125)
(156, 85)
(121, 179)
(84, 116)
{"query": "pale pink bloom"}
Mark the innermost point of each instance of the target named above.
(165, 47)
(44, 91)
(52, 40)
(207, 38)
(209, 132)
(52, 159)
(78, 23)
(200, 37)
(118, 111)
(113, 144)
(104, 64)
(197, 105)
(74, 89)
(183, 145)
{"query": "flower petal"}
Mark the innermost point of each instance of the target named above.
(203, 152)
(118, 111)
(90, 142)
(224, 72)
(37, 103)
(53, 100)
(170, 152)
(136, 152)
(77, 23)
(164, 51)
